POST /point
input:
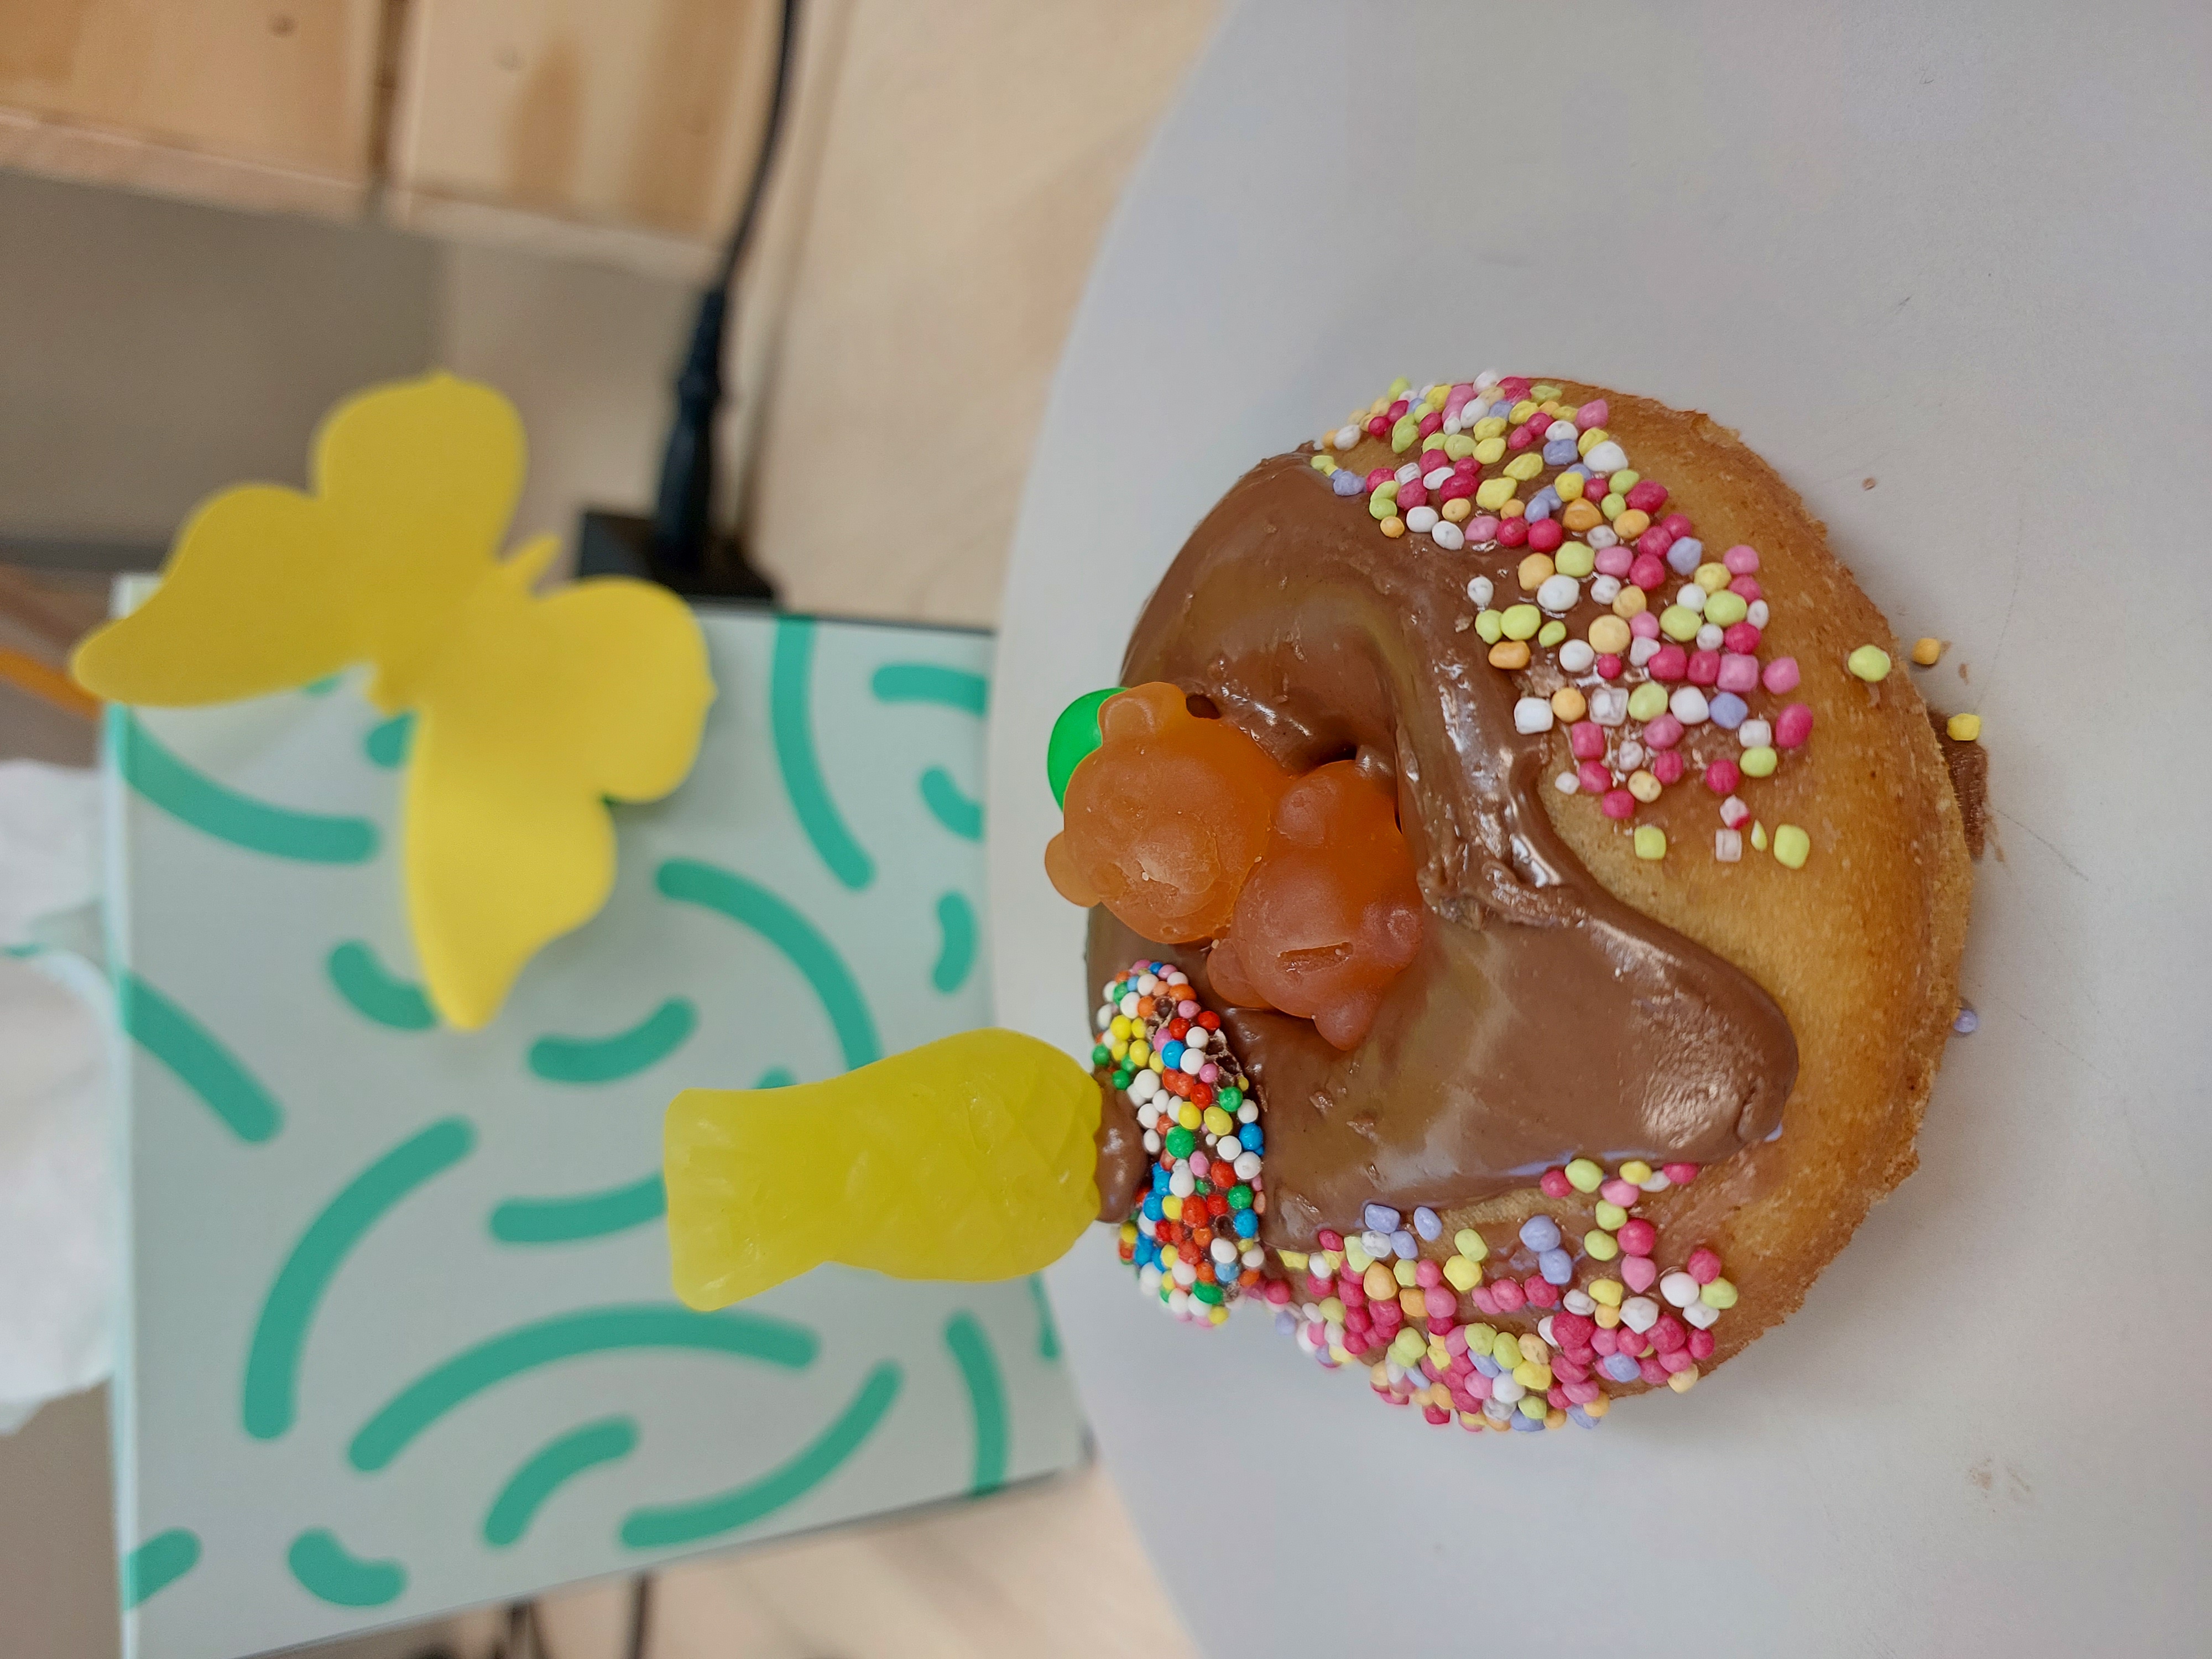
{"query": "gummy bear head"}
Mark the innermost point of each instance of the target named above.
(1166, 817)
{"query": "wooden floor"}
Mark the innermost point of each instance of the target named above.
(1051, 1570)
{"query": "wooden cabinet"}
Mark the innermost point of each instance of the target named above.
(620, 130)
(579, 126)
(252, 103)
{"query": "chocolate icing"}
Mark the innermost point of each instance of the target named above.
(1122, 1159)
(1544, 1018)
(1969, 764)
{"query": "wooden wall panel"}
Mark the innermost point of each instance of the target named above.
(973, 154)
(260, 103)
(625, 128)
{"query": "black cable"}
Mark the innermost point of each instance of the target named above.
(641, 1611)
(741, 233)
(682, 512)
(525, 1635)
(522, 1638)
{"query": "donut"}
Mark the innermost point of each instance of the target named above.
(1527, 897)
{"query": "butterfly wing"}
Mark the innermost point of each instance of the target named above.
(540, 711)
(250, 602)
(268, 587)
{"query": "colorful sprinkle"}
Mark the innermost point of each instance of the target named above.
(1870, 663)
(1194, 1239)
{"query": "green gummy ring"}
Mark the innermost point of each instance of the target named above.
(1074, 735)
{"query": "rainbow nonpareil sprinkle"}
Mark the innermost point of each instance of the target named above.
(1194, 1239)
(1510, 1330)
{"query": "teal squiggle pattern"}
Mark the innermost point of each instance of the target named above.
(159, 1562)
(949, 806)
(586, 1215)
(609, 1059)
(667, 1526)
(987, 1398)
(201, 1063)
(268, 1402)
(329, 1571)
(955, 951)
(386, 742)
(791, 720)
(375, 993)
(750, 905)
(926, 682)
(569, 1336)
(214, 810)
(548, 1469)
(1047, 1326)
(596, 1215)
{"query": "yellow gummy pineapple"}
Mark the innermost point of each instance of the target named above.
(970, 1157)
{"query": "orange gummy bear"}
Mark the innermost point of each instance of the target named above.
(1331, 913)
(1166, 817)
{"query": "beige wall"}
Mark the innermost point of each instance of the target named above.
(155, 351)
(151, 352)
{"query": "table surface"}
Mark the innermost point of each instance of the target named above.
(1944, 268)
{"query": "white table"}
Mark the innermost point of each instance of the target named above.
(1960, 251)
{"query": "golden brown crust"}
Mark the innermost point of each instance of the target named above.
(1860, 947)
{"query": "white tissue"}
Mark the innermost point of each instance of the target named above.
(49, 843)
(57, 1176)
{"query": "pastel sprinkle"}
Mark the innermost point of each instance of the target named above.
(1870, 663)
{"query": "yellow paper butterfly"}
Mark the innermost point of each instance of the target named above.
(530, 712)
